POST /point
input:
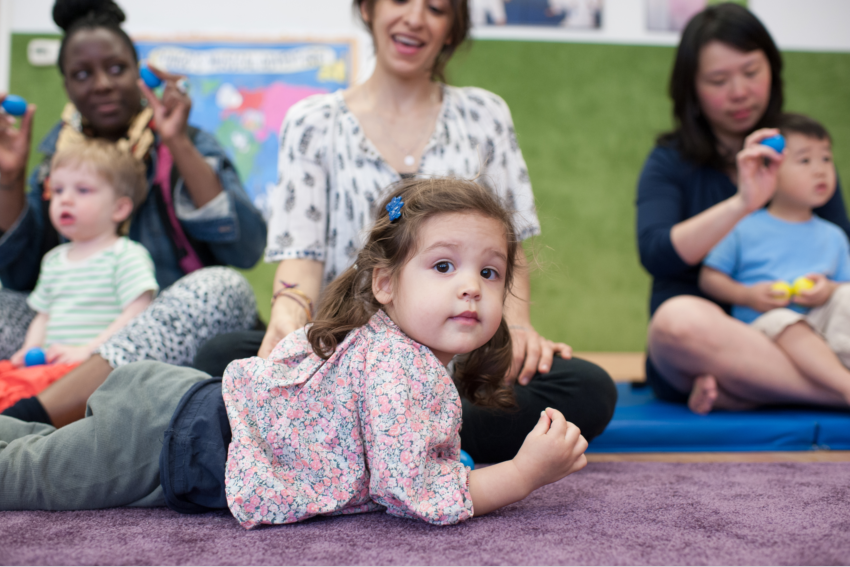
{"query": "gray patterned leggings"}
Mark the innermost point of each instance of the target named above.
(197, 307)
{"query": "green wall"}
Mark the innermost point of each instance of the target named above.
(586, 116)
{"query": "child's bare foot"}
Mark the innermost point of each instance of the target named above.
(703, 394)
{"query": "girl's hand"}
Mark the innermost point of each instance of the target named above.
(65, 354)
(532, 354)
(14, 143)
(171, 114)
(757, 170)
(287, 316)
(819, 294)
(762, 297)
(553, 449)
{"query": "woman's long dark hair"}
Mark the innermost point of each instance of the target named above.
(348, 302)
(736, 27)
(75, 15)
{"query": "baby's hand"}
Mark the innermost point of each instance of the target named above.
(17, 359)
(762, 297)
(553, 449)
(65, 354)
(818, 294)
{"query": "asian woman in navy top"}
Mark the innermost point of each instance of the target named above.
(698, 182)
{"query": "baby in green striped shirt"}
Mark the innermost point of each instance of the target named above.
(93, 285)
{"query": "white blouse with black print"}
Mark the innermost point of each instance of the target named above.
(331, 177)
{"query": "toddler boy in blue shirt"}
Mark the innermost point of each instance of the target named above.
(786, 242)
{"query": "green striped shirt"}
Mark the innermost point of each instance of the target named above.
(83, 298)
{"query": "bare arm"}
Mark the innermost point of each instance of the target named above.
(34, 338)
(202, 183)
(128, 314)
(695, 237)
(14, 152)
(721, 287)
(531, 352)
(288, 315)
(554, 449)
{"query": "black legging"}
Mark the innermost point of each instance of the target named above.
(582, 391)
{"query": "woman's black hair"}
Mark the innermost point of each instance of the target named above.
(75, 15)
(736, 27)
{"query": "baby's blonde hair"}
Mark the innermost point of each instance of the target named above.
(124, 173)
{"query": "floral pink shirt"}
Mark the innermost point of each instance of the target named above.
(375, 426)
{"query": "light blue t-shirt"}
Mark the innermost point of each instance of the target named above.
(764, 248)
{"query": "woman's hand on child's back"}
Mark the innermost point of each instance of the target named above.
(818, 294)
(763, 297)
(554, 449)
(287, 316)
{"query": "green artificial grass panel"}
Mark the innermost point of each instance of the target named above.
(261, 278)
(818, 84)
(586, 116)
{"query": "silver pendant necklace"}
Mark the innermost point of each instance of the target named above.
(409, 160)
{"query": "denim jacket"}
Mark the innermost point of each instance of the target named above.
(227, 231)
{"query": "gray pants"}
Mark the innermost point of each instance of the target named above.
(110, 458)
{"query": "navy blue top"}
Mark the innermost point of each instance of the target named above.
(671, 190)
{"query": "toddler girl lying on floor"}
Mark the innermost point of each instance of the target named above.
(353, 413)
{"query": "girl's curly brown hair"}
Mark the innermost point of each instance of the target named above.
(348, 302)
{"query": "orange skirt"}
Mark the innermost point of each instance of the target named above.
(18, 383)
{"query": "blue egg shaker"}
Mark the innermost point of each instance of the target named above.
(14, 105)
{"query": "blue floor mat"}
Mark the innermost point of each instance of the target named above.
(644, 424)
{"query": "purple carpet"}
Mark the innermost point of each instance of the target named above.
(610, 513)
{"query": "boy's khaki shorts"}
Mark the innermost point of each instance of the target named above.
(831, 321)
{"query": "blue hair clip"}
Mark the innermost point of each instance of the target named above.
(394, 208)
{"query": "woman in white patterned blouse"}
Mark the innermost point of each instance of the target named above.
(339, 152)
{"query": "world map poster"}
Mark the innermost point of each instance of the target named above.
(242, 91)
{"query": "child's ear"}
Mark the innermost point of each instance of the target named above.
(123, 209)
(382, 285)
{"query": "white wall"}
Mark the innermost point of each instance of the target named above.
(808, 25)
(241, 19)
(799, 25)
